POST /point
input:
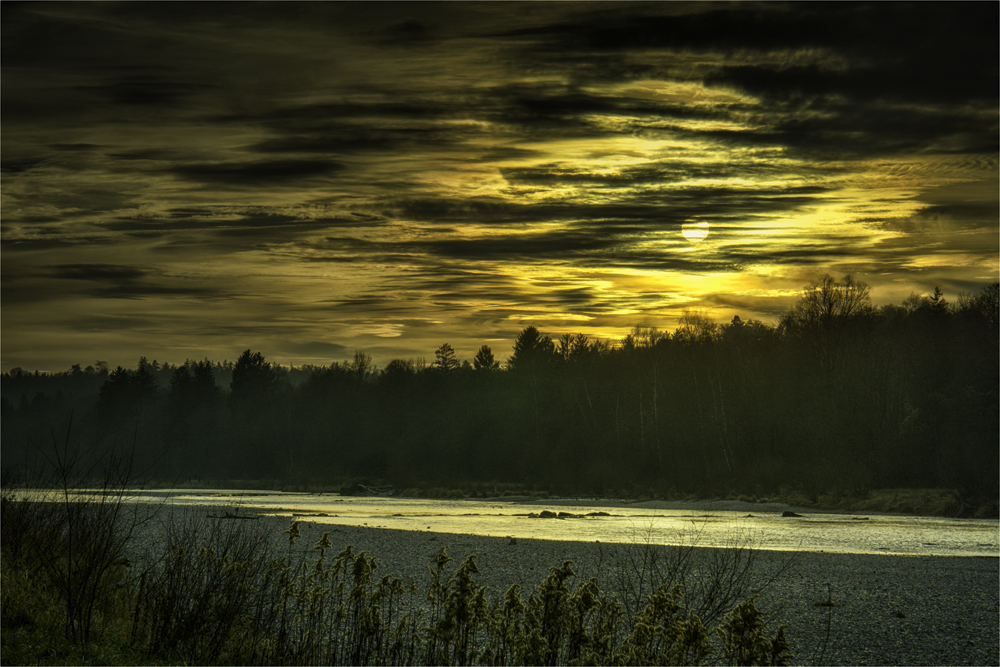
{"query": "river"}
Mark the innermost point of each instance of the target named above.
(589, 520)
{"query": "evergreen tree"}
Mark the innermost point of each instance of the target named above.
(444, 359)
(260, 416)
(253, 385)
(484, 360)
(532, 350)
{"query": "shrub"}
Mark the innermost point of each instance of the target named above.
(217, 595)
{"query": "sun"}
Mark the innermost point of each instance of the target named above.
(694, 231)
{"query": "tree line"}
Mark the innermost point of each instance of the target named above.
(839, 395)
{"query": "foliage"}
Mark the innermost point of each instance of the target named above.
(713, 580)
(217, 596)
(746, 641)
(63, 552)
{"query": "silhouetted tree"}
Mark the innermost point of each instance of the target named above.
(827, 300)
(362, 366)
(128, 413)
(484, 361)
(696, 327)
(397, 373)
(261, 417)
(253, 385)
(444, 359)
(125, 395)
(985, 305)
(938, 302)
(194, 419)
(532, 351)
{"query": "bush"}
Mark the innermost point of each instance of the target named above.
(217, 595)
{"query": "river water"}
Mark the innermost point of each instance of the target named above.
(697, 524)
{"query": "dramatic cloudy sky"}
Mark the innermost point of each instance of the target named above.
(193, 179)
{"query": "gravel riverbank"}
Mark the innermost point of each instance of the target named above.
(886, 610)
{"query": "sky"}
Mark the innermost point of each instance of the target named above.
(189, 180)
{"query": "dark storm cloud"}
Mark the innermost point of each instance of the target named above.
(501, 153)
(51, 242)
(350, 142)
(142, 154)
(832, 105)
(357, 128)
(410, 31)
(481, 284)
(655, 208)
(397, 126)
(541, 105)
(137, 291)
(255, 173)
(522, 246)
(893, 34)
(228, 222)
(145, 90)
(99, 272)
(850, 131)
(111, 323)
(954, 217)
(545, 104)
(264, 229)
(657, 260)
(867, 84)
(17, 165)
(74, 147)
(327, 115)
(117, 281)
(346, 140)
(673, 171)
(33, 38)
(896, 52)
(354, 125)
(211, 232)
(821, 254)
(865, 57)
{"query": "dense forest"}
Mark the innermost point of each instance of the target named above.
(839, 396)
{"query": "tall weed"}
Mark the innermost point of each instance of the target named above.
(217, 595)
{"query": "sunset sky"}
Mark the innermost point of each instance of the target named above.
(188, 180)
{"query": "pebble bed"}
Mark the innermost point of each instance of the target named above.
(840, 609)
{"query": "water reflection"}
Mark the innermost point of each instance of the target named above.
(591, 521)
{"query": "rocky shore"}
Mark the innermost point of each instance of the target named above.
(840, 609)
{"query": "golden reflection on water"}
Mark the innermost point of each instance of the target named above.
(696, 524)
